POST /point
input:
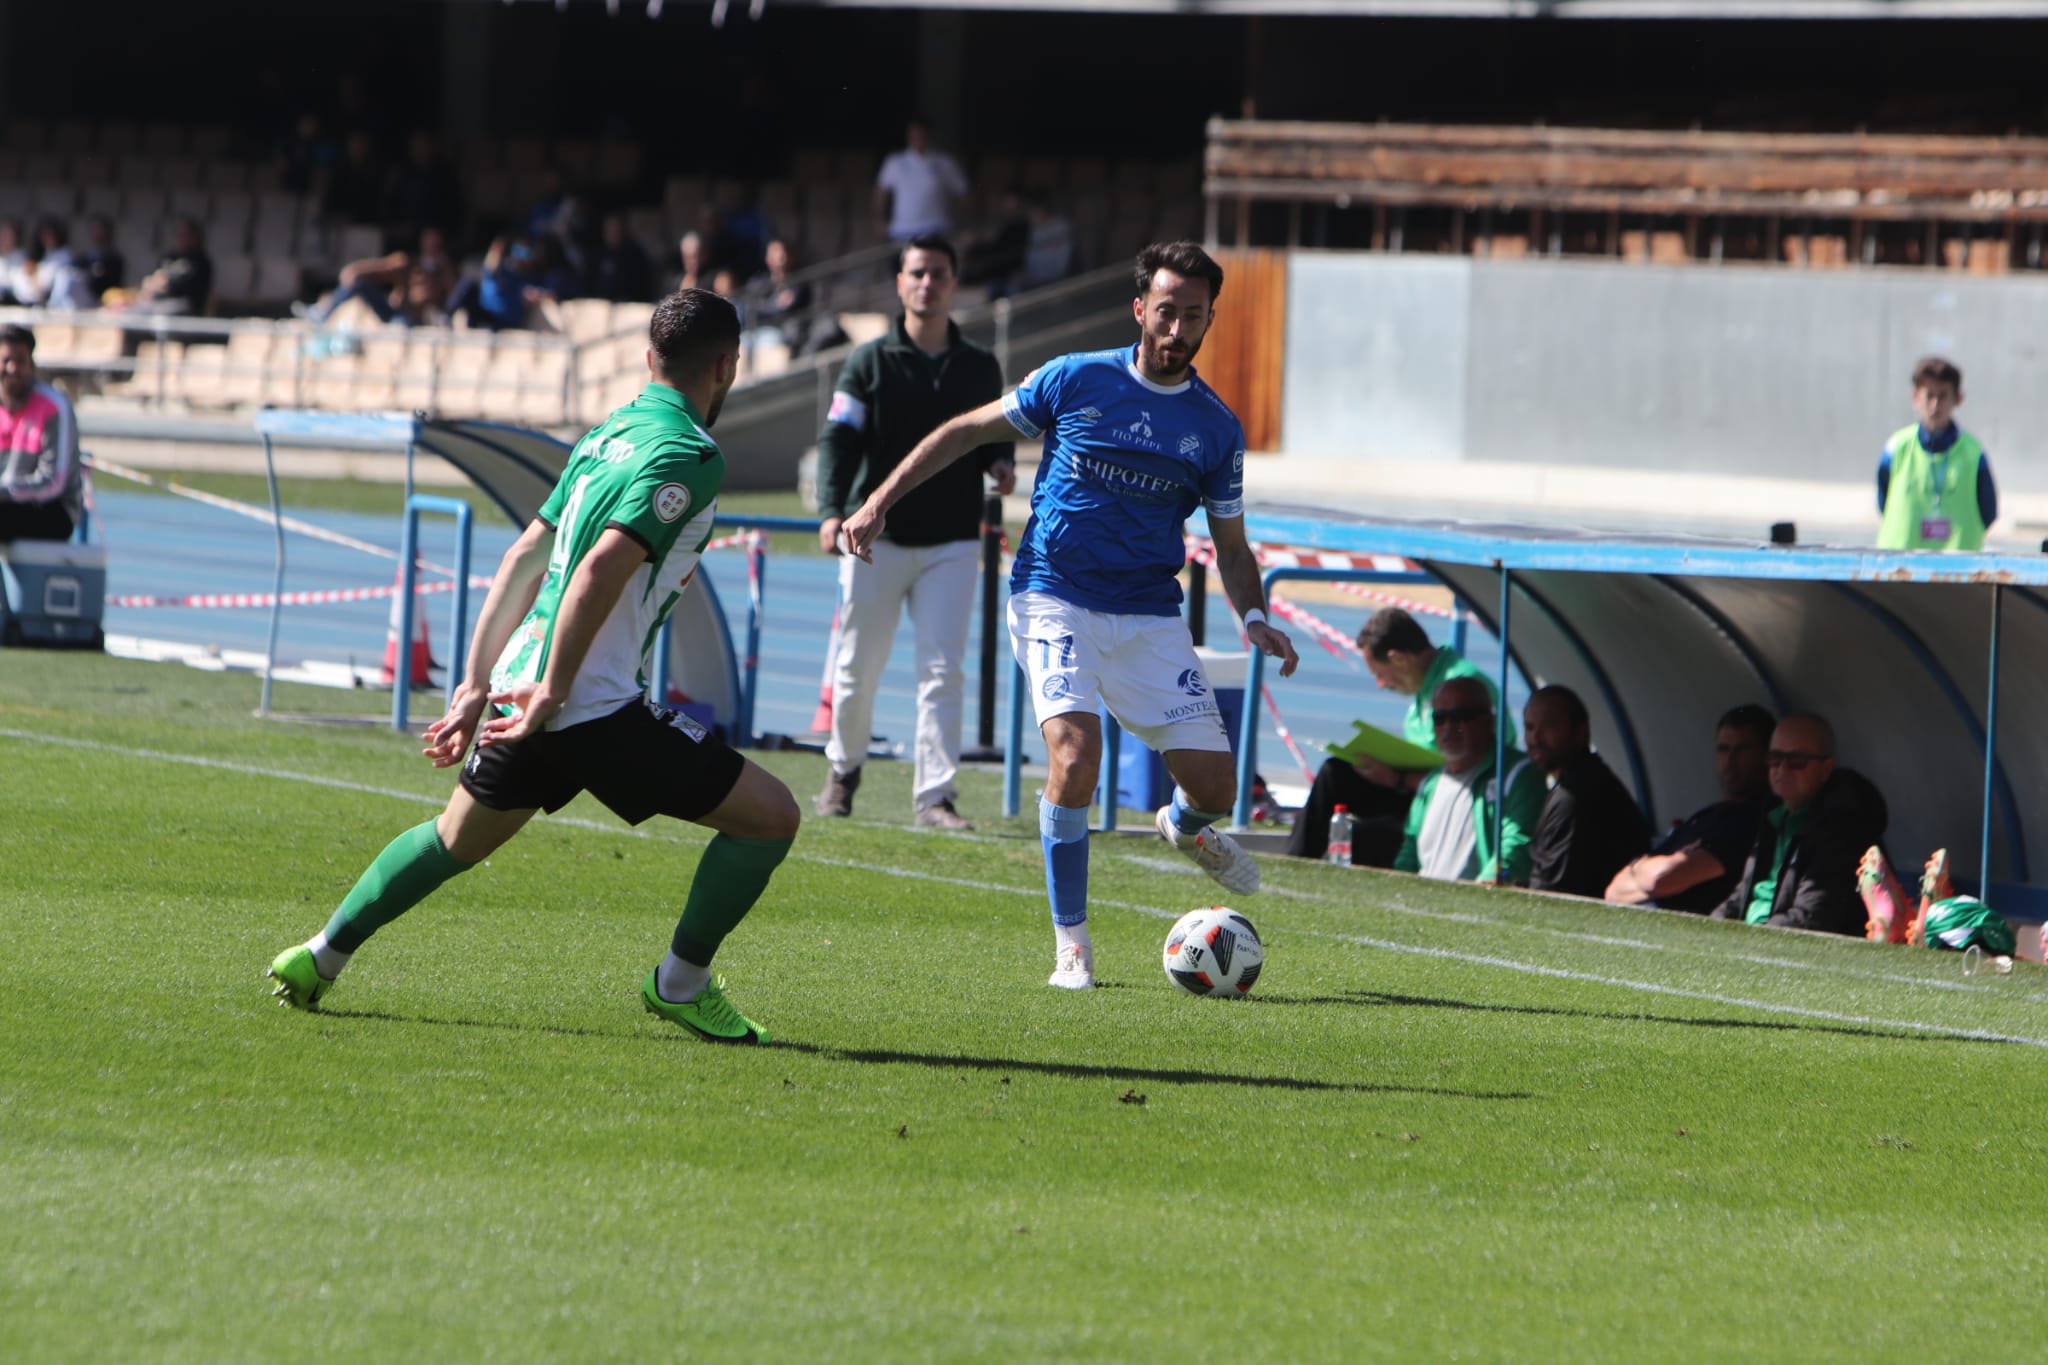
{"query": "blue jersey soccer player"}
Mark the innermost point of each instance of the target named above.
(1134, 442)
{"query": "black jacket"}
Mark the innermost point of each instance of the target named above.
(1590, 829)
(903, 395)
(1818, 887)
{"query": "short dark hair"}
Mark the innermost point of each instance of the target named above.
(1751, 717)
(1574, 709)
(689, 329)
(1934, 369)
(14, 334)
(1182, 258)
(1391, 628)
(928, 241)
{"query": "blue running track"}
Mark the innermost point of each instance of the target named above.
(175, 547)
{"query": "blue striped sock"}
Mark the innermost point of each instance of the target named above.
(1063, 831)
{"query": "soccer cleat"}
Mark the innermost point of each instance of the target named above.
(299, 983)
(1215, 852)
(1073, 969)
(941, 815)
(1884, 900)
(1935, 887)
(710, 1016)
(837, 798)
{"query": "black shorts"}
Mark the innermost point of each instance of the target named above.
(640, 760)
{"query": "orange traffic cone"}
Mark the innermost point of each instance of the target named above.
(422, 651)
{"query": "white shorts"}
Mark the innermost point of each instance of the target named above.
(1143, 668)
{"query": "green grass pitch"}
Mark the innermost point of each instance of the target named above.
(1452, 1123)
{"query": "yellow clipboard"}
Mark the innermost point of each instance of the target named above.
(1369, 741)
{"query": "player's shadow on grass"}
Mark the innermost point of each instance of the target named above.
(942, 1061)
(1933, 1034)
(953, 1062)
(508, 1025)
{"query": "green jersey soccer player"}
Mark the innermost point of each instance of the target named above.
(570, 621)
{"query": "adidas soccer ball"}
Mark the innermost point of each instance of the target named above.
(1214, 951)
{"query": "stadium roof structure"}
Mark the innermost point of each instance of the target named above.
(1661, 634)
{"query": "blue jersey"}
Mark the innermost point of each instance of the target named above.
(1125, 462)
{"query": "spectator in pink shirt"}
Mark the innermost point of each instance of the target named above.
(42, 483)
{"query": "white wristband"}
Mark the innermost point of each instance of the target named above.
(1254, 617)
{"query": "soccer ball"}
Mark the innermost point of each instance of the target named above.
(1214, 951)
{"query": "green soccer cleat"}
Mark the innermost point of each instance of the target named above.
(299, 983)
(710, 1016)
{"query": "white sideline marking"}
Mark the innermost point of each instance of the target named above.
(1385, 945)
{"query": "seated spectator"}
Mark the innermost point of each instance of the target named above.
(42, 481)
(1590, 826)
(183, 280)
(1450, 835)
(304, 155)
(51, 277)
(696, 268)
(105, 268)
(13, 254)
(496, 298)
(992, 255)
(1694, 867)
(1401, 659)
(422, 191)
(540, 218)
(722, 250)
(1048, 249)
(619, 269)
(748, 233)
(1801, 871)
(778, 305)
(354, 192)
(405, 287)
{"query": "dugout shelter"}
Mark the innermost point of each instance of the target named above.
(1660, 634)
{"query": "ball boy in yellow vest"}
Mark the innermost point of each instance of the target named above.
(1934, 486)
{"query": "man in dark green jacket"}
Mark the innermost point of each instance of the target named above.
(892, 393)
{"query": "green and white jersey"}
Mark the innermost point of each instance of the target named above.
(649, 470)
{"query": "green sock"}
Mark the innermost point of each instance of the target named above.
(405, 873)
(731, 876)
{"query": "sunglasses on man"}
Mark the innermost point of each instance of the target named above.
(1792, 759)
(1457, 715)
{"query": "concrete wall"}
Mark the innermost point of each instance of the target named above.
(1738, 370)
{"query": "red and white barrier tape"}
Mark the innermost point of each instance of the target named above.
(312, 597)
(254, 513)
(1326, 635)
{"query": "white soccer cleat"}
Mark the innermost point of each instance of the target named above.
(1073, 969)
(1216, 853)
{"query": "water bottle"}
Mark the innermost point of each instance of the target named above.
(1339, 851)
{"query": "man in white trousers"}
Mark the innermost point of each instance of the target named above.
(892, 392)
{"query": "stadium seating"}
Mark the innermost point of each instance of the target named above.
(270, 248)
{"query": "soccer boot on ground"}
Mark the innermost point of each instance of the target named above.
(837, 798)
(1073, 969)
(1215, 852)
(710, 1016)
(299, 983)
(941, 815)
